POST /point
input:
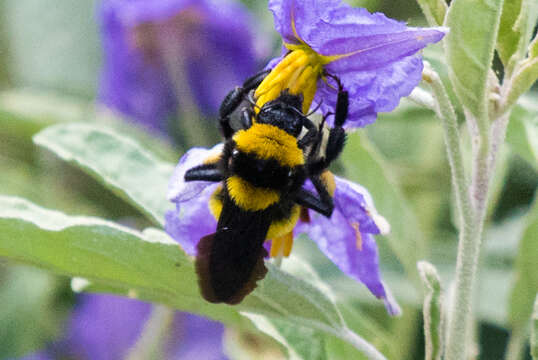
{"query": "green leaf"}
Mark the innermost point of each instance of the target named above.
(147, 265)
(432, 311)
(365, 165)
(526, 265)
(522, 134)
(469, 48)
(150, 266)
(434, 10)
(53, 47)
(28, 296)
(23, 112)
(509, 35)
(118, 162)
(534, 330)
(301, 343)
(524, 77)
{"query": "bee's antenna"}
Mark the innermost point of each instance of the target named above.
(251, 100)
(316, 109)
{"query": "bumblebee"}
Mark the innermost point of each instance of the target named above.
(262, 169)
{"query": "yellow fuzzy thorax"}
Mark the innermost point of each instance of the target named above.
(249, 197)
(269, 142)
(298, 73)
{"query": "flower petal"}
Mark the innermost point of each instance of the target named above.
(159, 55)
(128, 83)
(104, 327)
(180, 190)
(191, 220)
(372, 91)
(200, 338)
(347, 237)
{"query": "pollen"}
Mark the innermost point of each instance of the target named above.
(298, 73)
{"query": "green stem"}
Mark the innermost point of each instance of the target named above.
(149, 345)
(515, 346)
(471, 210)
(362, 345)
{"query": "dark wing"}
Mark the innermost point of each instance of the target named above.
(230, 261)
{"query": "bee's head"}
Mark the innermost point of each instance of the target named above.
(284, 112)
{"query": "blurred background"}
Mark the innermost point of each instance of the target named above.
(55, 64)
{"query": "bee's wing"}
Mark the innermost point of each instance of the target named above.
(230, 261)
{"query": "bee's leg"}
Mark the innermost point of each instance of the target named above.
(323, 203)
(204, 172)
(246, 118)
(342, 103)
(234, 98)
(310, 136)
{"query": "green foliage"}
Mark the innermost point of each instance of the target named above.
(28, 296)
(534, 330)
(432, 311)
(434, 10)
(469, 49)
(365, 165)
(509, 35)
(522, 134)
(118, 162)
(526, 264)
(53, 47)
(301, 342)
(150, 266)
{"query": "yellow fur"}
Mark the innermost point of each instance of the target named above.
(327, 178)
(269, 142)
(249, 197)
(284, 226)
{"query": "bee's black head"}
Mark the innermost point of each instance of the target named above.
(285, 112)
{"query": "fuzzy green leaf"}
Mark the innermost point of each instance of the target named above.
(301, 343)
(150, 266)
(118, 162)
(526, 265)
(534, 330)
(433, 311)
(509, 35)
(434, 11)
(469, 47)
(522, 133)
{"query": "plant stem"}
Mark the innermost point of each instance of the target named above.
(471, 210)
(362, 345)
(514, 351)
(149, 344)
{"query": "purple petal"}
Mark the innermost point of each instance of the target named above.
(161, 54)
(104, 327)
(180, 190)
(199, 337)
(191, 220)
(42, 355)
(373, 91)
(129, 83)
(337, 237)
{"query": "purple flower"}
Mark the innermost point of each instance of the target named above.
(106, 327)
(161, 54)
(346, 238)
(374, 57)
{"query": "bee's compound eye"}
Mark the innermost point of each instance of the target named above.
(290, 173)
(235, 153)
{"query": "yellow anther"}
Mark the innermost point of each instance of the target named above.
(298, 72)
(281, 246)
(358, 236)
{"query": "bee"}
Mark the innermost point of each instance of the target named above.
(262, 170)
